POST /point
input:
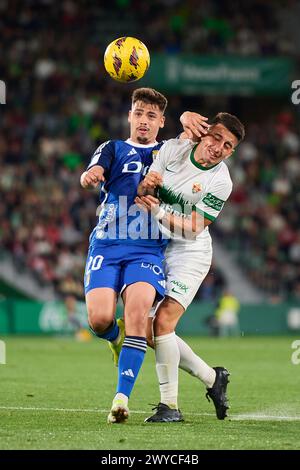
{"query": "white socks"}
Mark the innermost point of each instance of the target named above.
(194, 365)
(172, 352)
(167, 361)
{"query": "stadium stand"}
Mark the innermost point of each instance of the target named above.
(60, 106)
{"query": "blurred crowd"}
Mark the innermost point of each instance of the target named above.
(261, 221)
(61, 105)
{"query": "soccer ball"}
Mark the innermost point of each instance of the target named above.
(126, 59)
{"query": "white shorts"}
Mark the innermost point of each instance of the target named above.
(186, 266)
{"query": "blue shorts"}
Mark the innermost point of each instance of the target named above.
(119, 265)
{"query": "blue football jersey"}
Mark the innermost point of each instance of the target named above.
(120, 220)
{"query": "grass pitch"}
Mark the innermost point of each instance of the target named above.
(56, 394)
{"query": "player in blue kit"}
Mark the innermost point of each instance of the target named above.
(123, 257)
(126, 248)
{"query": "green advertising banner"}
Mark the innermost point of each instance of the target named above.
(4, 317)
(33, 317)
(191, 74)
(29, 317)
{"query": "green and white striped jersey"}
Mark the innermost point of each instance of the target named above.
(189, 186)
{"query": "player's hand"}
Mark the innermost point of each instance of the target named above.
(91, 178)
(149, 183)
(152, 180)
(194, 125)
(148, 203)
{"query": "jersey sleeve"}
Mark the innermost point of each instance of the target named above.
(212, 202)
(103, 155)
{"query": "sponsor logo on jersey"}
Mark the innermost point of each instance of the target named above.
(213, 201)
(132, 167)
(135, 167)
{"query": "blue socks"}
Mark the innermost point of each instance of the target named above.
(130, 361)
(111, 334)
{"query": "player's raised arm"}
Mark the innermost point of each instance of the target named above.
(186, 227)
(195, 126)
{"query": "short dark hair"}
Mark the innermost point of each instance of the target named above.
(232, 123)
(150, 96)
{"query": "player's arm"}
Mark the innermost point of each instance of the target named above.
(99, 166)
(186, 227)
(92, 177)
(194, 125)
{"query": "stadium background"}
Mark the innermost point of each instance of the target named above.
(206, 56)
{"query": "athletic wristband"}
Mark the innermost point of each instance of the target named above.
(160, 214)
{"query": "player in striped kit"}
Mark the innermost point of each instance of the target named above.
(193, 184)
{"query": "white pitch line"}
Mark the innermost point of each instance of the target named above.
(83, 410)
(239, 417)
(264, 418)
(67, 410)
